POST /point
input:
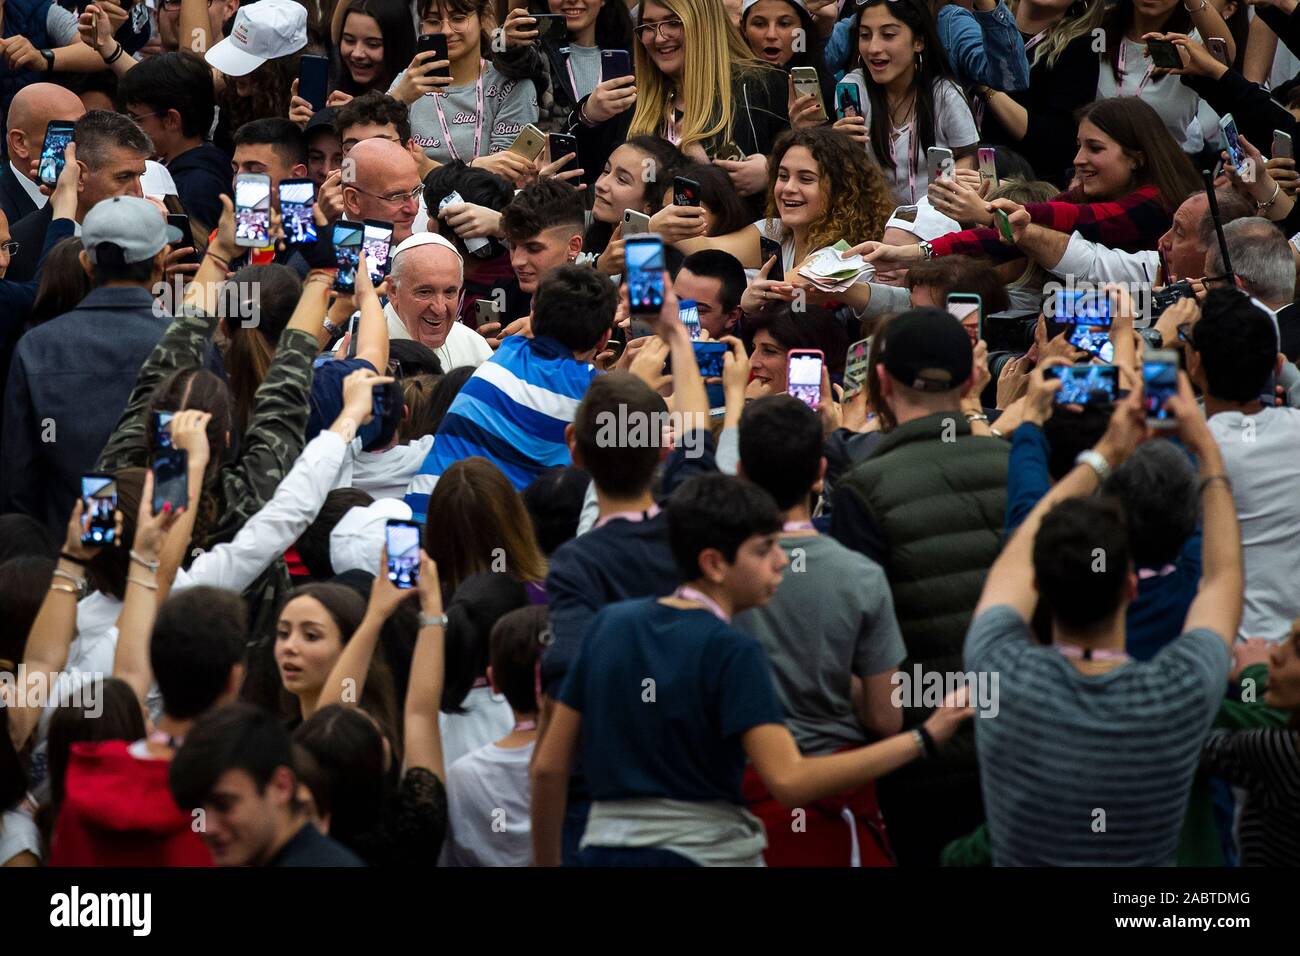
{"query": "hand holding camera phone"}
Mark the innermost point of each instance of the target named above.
(807, 83)
(435, 43)
(1159, 384)
(347, 254)
(98, 509)
(643, 258)
(313, 80)
(968, 309)
(848, 99)
(253, 210)
(171, 474)
(297, 197)
(1164, 55)
(402, 543)
(58, 134)
(376, 241)
(1084, 384)
(804, 375)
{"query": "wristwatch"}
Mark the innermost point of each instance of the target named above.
(433, 620)
(927, 250)
(49, 60)
(1096, 461)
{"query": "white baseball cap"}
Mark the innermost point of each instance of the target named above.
(922, 220)
(157, 182)
(357, 540)
(266, 30)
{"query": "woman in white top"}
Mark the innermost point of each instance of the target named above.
(910, 100)
(1127, 70)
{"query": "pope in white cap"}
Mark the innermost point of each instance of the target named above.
(425, 287)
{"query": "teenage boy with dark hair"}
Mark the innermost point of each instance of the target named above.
(372, 115)
(1114, 743)
(543, 225)
(171, 97)
(1231, 352)
(715, 279)
(272, 146)
(831, 637)
(512, 410)
(118, 809)
(236, 768)
(666, 700)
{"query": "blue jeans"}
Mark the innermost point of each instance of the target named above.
(630, 856)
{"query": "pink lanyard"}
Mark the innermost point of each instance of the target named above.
(478, 117)
(797, 526)
(1145, 79)
(628, 516)
(688, 593)
(1074, 652)
(524, 725)
(1034, 40)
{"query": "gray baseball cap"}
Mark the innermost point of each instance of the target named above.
(132, 228)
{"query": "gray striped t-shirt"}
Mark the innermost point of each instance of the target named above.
(1090, 770)
(508, 106)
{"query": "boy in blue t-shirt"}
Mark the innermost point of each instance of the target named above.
(667, 700)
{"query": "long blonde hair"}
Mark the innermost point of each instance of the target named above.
(1082, 17)
(712, 47)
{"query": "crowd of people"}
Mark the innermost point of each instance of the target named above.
(401, 461)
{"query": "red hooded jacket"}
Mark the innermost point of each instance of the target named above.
(118, 811)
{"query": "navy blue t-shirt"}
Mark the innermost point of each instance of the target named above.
(678, 737)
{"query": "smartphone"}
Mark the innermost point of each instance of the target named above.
(347, 253)
(709, 357)
(99, 504)
(1282, 146)
(686, 192)
(643, 264)
(479, 246)
(529, 143)
(1164, 55)
(1159, 384)
(181, 222)
(380, 402)
(485, 310)
(968, 309)
(848, 99)
(253, 210)
(437, 44)
(313, 80)
(1085, 384)
(376, 240)
(354, 323)
(1218, 48)
(162, 428)
(560, 145)
(807, 82)
(803, 375)
(402, 542)
(689, 312)
(1090, 312)
(634, 221)
(939, 162)
(1003, 222)
(171, 470)
(1236, 155)
(615, 63)
(551, 26)
(769, 248)
(989, 165)
(297, 196)
(58, 134)
(855, 366)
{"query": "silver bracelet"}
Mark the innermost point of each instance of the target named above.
(151, 565)
(1277, 191)
(1204, 4)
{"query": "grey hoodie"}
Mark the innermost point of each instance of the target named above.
(508, 106)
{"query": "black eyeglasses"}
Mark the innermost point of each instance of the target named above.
(9, 248)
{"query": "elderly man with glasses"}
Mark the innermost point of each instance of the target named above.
(380, 181)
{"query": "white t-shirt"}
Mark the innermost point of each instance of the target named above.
(1259, 454)
(1177, 105)
(487, 717)
(464, 346)
(954, 128)
(18, 832)
(487, 808)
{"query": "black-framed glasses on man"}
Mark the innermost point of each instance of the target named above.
(394, 198)
(9, 248)
(670, 29)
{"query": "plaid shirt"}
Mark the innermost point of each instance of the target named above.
(1132, 224)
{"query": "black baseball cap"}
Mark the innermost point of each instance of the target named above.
(928, 350)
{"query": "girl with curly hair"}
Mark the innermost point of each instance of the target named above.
(821, 189)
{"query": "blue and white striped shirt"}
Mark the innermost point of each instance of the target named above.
(512, 411)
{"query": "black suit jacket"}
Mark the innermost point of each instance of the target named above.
(14, 200)
(29, 233)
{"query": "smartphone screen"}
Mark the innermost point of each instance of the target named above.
(252, 210)
(689, 312)
(966, 310)
(58, 134)
(1236, 155)
(402, 539)
(170, 478)
(297, 197)
(1090, 311)
(644, 265)
(1085, 384)
(376, 238)
(347, 252)
(614, 63)
(767, 249)
(855, 366)
(162, 428)
(99, 504)
(709, 357)
(804, 376)
(313, 80)
(1159, 384)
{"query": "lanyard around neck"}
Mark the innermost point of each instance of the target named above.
(688, 593)
(478, 116)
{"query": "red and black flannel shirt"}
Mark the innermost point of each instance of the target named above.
(1132, 224)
